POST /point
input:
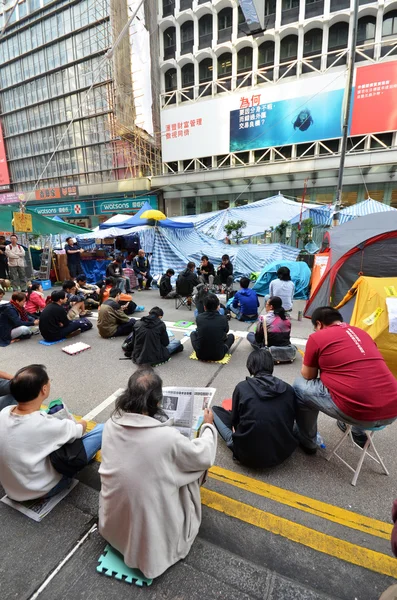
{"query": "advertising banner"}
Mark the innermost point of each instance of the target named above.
(375, 99)
(11, 198)
(55, 192)
(302, 110)
(72, 209)
(4, 174)
(120, 205)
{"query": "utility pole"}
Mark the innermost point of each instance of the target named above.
(352, 57)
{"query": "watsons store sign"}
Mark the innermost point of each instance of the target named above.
(98, 207)
(103, 207)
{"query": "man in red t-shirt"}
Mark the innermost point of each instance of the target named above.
(355, 384)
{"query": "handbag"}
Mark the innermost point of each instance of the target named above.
(69, 458)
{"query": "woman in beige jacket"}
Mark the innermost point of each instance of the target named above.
(150, 508)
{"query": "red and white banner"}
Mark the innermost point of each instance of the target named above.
(4, 175)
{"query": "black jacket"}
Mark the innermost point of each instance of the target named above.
(209, 269)
(140, 264)
(9, 320)
(114, 270)
(50, 319)
(151, 341)
(224, 273)
(186, 282)
(212, 329)
(263, 415)
(165, 286)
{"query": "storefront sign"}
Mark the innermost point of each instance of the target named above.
(72, 209)
(11, 198)
(120, 205)
(4, 174)
(63, 192)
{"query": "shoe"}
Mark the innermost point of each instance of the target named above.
(179, 349)
(140, 289)
(341, 425)
(148, 288)
(87, 313)
(306, 450)
(358, 438)
(73, 333)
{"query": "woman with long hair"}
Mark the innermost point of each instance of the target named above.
(15, 323)
(278, 330)
(35, 301)
(150, 507)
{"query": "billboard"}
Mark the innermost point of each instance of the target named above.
(4, 175)
(375, 99)
(302, 110)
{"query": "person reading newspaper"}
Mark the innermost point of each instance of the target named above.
(153, 519)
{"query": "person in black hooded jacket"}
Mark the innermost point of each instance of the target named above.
(151, 342)
(259, 428)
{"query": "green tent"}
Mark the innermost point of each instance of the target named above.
(41, 225)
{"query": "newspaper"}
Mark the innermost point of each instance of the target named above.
(38, 509)
(185, 406)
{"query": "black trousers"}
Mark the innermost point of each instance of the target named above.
(206, 354)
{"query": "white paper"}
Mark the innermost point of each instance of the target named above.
(76, 348)
(392, 310)
(38, 509)
(186, 407)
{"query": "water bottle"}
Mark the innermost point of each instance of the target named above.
(320, 441)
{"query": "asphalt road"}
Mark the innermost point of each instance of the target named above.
(263, 534)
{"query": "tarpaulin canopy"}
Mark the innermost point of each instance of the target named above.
(126, 222)
(366, 246)
(300, 275)
(365, 306)
(260, 216)
(41, 225)
(322, 215)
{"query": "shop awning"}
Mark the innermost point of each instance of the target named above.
(41, 225)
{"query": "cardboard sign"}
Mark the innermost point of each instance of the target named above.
(23, 222)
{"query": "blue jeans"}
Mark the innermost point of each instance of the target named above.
(224, 429)
(313, 397)
(240, 316)
(92, 442)
(174, 346)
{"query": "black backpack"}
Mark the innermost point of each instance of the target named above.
(128, 345)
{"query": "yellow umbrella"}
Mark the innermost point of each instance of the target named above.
(156, 215)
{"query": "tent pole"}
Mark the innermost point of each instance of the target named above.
(352, 57)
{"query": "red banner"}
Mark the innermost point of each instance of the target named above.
(4, 175)
(375, 99)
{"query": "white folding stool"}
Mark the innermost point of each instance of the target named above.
(364, 451)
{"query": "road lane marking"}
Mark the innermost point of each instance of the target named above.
(332, 513)
(98, 409)
(321, 542)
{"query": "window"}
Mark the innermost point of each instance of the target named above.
(225, 19)
(205, 25)
(23, 9)
(270, 7)
(287, 4)
(224, 65)
(338, 36)
(169, 37)
(244, 60)
(366, 29)
(390, 23)
(205, 70)
(289, 48)
(34, 5)
(187, 75)
(313, 42)
(266, 54)
(187, 32)
(170, 80)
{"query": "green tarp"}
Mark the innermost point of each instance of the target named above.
(41, 225)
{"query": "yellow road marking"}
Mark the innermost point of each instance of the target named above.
(321, 542)
(304, 503)
(301, 352)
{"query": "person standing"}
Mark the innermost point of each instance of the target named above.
(16, 264)
(283, 287)
(73, 252)
(112, 320)
(141, 266)
(211, 341)
(355, 384)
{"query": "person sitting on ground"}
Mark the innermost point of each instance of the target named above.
(151, 535)
(278, 327)
(200, 298)
(88, 290)
(355, 384)
(112, 320)
(54, 324)
(186, 282)
(211, 341)
(2, 293)
(74, 305)
(104, 292)
(259, 428)
(115, 270)
(151, 342)
(166, 290)
(15, 323)
(224, 273)
(141, 266)
(6, 398)
(206, 271)
(244, 303)
(29, 438)
(35, 301)
(283, 287)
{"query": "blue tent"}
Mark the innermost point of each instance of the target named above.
(135, 221)
(300, 275)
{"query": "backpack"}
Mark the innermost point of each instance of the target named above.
(128, 345)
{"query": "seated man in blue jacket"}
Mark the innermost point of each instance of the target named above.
(141, 266)
(15, 322)
(245, 303)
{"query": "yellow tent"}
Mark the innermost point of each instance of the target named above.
(365, 306)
